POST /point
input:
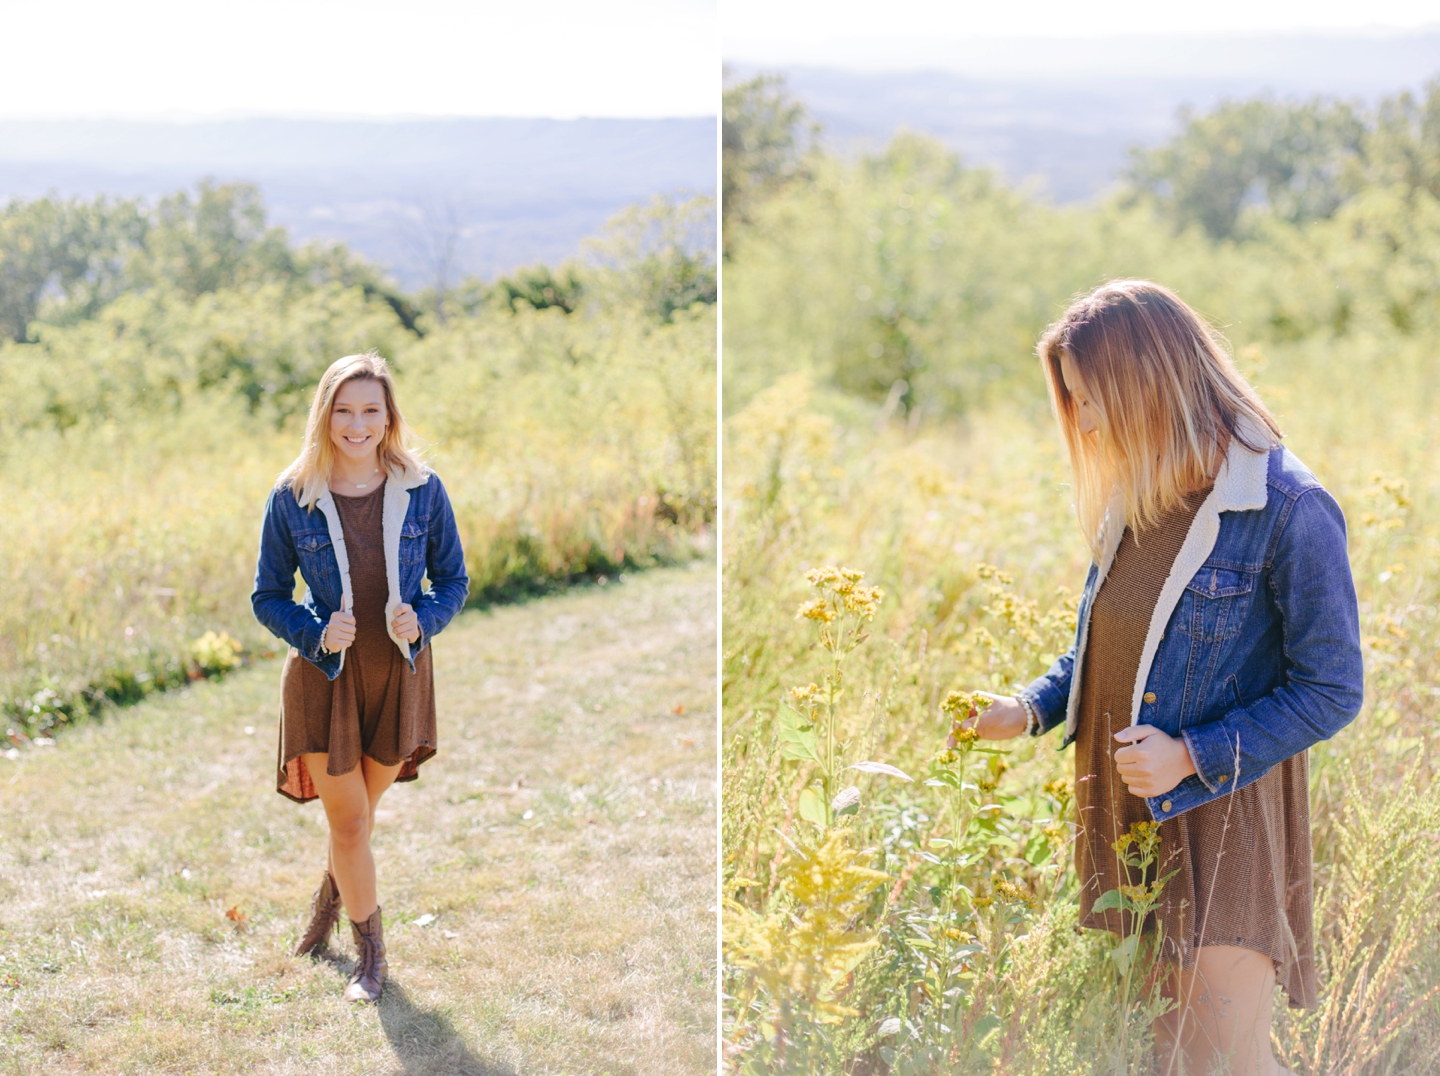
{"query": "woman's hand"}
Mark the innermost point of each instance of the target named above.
(1002, 719)
(1152, 762)
(340, 632)
(406, 623)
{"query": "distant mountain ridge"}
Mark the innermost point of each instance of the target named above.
(518, 190)
(1063, 113)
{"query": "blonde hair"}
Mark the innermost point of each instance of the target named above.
(309, 475)
(1167, 397)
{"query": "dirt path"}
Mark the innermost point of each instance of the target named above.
(574, 919)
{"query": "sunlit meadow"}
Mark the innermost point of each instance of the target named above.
(896, 904)
(571, 444)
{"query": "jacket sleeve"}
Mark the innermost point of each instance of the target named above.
(273, 598)
(1324, 679)
(445, 567)
(1046, 697)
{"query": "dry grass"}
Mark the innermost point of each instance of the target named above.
(575, 918)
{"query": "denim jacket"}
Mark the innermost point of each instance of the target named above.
(1253, 651)
(420, 539)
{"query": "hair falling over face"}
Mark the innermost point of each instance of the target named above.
(1166, 396)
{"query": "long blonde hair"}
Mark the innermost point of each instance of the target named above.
(1168, 400)
(309, 475)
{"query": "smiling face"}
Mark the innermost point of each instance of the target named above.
(1085, 418)
(357, 419)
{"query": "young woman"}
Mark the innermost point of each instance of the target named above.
(1218, 638)
(364, 521)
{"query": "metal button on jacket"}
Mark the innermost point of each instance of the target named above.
(1149, 696)
(1165, 807)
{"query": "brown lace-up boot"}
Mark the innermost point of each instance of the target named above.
(370, 965)
(324, 914)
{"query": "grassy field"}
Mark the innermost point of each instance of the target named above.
(152, 883)
(145, 427)
(891, 906)
(931, 928)
(570, 446)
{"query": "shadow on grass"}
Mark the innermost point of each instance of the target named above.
(426, 1043)
(424, 1040)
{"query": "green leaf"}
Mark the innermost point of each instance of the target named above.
(882, 768)
(812, 808)
(1111, 899)
(1124, 953)
(847, 802)
(985, 1027)
(797, 739)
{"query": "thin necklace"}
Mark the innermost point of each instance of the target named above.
(362, 485)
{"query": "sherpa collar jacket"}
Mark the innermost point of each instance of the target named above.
(420, 540)
(1253, 650)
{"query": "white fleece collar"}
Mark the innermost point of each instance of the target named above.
(1240, 486)
(396, 503)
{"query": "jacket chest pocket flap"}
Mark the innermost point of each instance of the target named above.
(1215, 602)
(316, 557)
(313, 543)
(412, 543)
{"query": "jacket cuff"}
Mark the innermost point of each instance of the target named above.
(310, 639)
(1213, 753)
(425, 619)
(1042, 703)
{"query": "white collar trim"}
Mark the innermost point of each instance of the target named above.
(1240, 486)
(392, 519)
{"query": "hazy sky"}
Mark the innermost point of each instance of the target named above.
(868, 34)
(561, 58)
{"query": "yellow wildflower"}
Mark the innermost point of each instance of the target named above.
(1011, 893)
(816, 609)
(1060, 790)
(864, 601)
(963, 704)
(804, 694)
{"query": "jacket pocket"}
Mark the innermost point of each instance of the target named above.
(1215, 603)
(412, 543)
(317, 558)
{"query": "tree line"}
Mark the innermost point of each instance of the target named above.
(62, 260)
(1223, 170)
(909, 277)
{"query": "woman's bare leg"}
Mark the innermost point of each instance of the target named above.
(377, 779)
(1221, 1021)
(349, 802)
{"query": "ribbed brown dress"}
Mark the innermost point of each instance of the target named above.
(376, 706)
(1241, 862)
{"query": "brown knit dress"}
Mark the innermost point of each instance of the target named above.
(1241, 863)
(376, 706)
